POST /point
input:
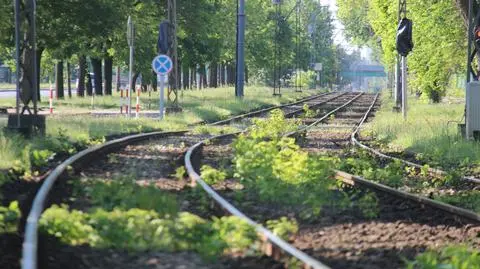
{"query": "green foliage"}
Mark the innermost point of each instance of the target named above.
(453, 257)
(139, 230)
(304, 78)
(211, 175)
(277, 169)
(40, 157)
(365, 166)
(180, 173)
(468, 200)
(283, 227)
(273, 127)
(438, 36)
(123, 193)
(308, 112)
(9, 218)
(70, 227)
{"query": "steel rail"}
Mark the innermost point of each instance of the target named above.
(30, 242)
(293, 113)
(434, 171)
(305, 128)
(257, 112)
(308, 261)
(352, 180)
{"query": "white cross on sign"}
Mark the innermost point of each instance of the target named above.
(162, 65)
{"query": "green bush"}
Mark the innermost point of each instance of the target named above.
(140, 230)
(125, 194)
(453, 257)
(277, 169)
(9, 218)
(211, 175)
(283, 227)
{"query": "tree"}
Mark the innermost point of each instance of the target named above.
(438, 32)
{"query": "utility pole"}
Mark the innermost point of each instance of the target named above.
(240, 81)
(174, 85)
(404, 47)
(276, 56)
(402, 13)
(131, 44)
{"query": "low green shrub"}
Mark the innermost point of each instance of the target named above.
(9, 218)
(125, 194)
(140, 230)
(453, 257)
(211, 175)
(283, 227)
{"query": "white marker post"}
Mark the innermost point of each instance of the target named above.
(162, 65)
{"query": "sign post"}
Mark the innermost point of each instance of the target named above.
(162, 65)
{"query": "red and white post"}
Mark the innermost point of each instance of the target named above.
(121, 101)
(51, 99)
(126, 104)
(137, 108)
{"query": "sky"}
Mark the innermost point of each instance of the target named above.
(339, 37)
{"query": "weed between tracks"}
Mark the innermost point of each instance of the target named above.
(276, 172)
(124, 215)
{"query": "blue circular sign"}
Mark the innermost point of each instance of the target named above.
(162, 64)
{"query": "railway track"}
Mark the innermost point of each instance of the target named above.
(146, 160)
(404, 225)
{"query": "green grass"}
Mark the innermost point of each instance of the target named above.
(198, 106)
(430, 131)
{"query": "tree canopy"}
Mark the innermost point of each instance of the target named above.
(438, 32)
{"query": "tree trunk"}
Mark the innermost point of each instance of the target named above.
(82, 72)
(230, 75)
(154, 81)
(97, 75)
(213, 75)
(59, 80)
(134, 82)
(69, 83)
(186, 78)
(246, 74)
(222, 75)
(192, 78)
(203, 72)
(108, 71)
(117, 79)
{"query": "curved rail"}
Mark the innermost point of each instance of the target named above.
(30, 242)
(385, 156)
(29, 251)
(308, 261)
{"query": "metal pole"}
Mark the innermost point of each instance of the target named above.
(130, 71)
(162, 95)
(404, 87)
(240, 49)
(16, 4)
(470, 37)
(34, 46)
